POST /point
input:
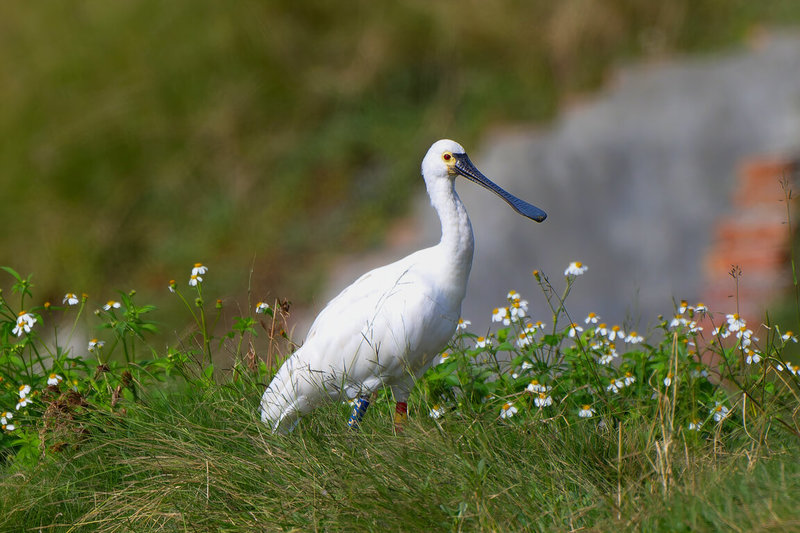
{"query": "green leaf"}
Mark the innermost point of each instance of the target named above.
(551, 340)
(12, 272)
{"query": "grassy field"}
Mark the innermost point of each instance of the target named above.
(203, 463)
(561, 427)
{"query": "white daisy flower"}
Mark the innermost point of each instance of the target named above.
(735, 322)
(752, 357)
(614, 386)
(678, 321)
(668, 380)
(592, 318)
(535, 387)
(523, 340)
(24, 390)
(683, 307)
(695, 425)
(499, 314)
(25, 322)
(629, 379)
(71, 299)
(23, 402)
(722, 332)
(436, 412)
(5, 416)
(462, 324)
(789, 336)
(575, 268)
(194, 279)
(605, 359)
(508, 410)
(54, 379)
(615, 333)
(482, 342)
(720, 412)
(262, 308)
(586, 411)
(111, 304)
(95, 344)
(533, 328)
(199, 269)
(543, 400)
(519, 309)
(633, 338)
(574, 329)
(694, 328)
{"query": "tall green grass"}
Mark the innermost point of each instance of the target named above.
(203, 463)
(155, 442)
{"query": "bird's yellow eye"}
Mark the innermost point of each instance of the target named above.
(447, 156)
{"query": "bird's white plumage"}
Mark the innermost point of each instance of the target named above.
(386, 328)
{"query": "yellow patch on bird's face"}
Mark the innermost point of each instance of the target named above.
(449, 160)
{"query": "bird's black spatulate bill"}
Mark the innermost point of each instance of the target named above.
(465, 167)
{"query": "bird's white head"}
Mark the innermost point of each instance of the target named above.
(440, 161)
(447, 159)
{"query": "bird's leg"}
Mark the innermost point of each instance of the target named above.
(360, 405)
(400, 416)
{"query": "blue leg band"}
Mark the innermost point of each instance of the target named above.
(359, 408)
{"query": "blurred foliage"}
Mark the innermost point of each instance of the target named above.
(141, 137)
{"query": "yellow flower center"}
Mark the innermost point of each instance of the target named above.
(506, 407)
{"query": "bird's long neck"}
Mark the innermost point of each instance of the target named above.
(457, 242)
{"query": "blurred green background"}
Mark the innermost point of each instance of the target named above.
(141, 137)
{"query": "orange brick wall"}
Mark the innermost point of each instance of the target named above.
(755, 237)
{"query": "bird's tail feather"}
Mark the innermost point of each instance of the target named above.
(280, 402)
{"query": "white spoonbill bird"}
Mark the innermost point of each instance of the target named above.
(388, 326)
